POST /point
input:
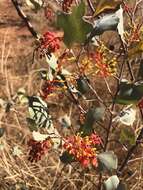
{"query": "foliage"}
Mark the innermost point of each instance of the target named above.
(96, 83)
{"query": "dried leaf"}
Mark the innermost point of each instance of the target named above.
(106, 5)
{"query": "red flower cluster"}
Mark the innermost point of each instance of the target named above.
(66, 4)
(103, 66)
(38, 149)
(50, 86)
(47, 88)
(83, 148)
(49, 43)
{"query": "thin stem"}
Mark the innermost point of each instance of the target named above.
(25, 19)
(118, 142)
(91, 6)
(108, 87)
(113, 105)
(100, 181)
(131, 71)
(124, 47)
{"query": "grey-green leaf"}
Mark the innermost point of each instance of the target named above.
(108, 159)
(111, 183)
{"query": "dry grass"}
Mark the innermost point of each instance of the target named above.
(15, 171)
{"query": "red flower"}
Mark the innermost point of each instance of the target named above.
(38, 149)
(47, 88)
(49, 43)
(104, 66)
(50, 86)
(66, 4)
(95, 139)
(83, 148)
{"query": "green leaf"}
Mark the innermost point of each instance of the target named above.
(106, 5)
(74, 27)
(66, 158)
(92, 116)
(111, 183)
(128, 135)
(130, 93)
(108, 159)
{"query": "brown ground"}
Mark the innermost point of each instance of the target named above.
(16, 48)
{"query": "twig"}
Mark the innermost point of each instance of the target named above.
(100, 181)
(118, 142)
(25, 19)
(113, 105)
(91, 6)
(126, 58)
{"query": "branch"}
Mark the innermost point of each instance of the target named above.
(113, 105)
(25, 19)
